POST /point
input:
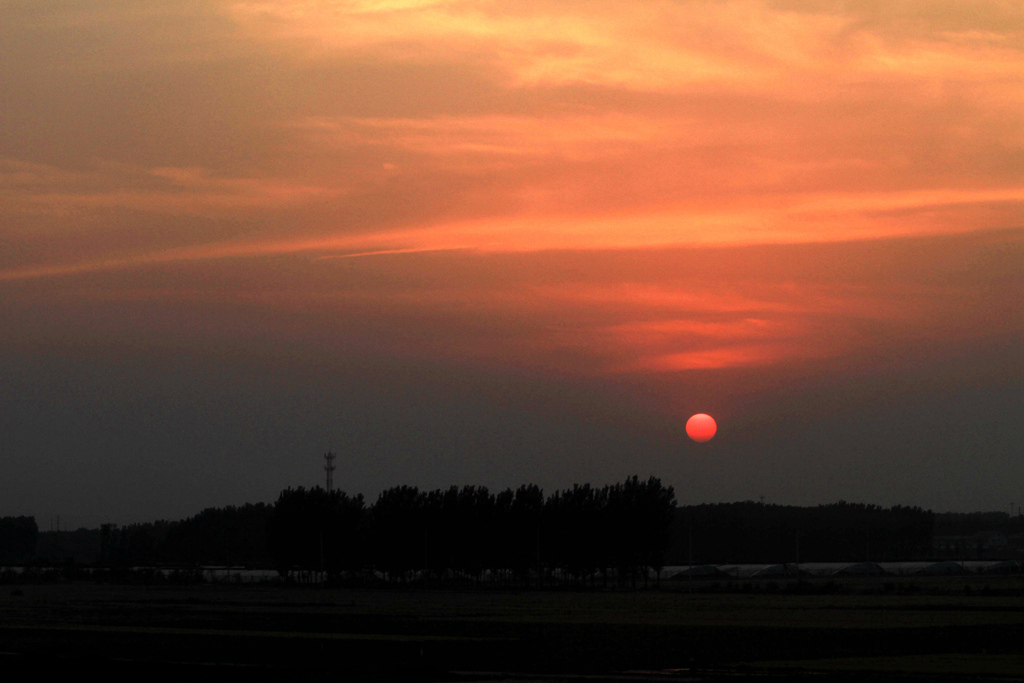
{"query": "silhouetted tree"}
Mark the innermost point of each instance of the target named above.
(220, 536)
(18, 536)
(397, 530)
(639, 519)
(573, 522)
(525, 530)
(316, 530)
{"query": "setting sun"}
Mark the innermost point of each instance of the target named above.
(701, 427)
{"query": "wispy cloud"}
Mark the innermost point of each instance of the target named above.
(752, 44)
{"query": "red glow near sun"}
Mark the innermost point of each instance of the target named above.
(701, 427)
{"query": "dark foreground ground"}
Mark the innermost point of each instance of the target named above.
(933, 630)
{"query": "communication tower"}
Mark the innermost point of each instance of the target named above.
(329, 469)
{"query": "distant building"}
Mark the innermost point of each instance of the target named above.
(979, 545)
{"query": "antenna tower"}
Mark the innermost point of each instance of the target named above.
(329, 469)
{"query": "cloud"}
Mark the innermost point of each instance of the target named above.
(662, 46)
(360, 127)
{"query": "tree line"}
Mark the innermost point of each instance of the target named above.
(613, 533)
(966, 523)
(516, 535)
(18, 538)
(521, 535)
(751, 532)
(232, 535)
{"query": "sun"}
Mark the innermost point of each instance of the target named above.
(701, 427)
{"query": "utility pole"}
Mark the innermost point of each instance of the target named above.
(329, 468)
(689, 575)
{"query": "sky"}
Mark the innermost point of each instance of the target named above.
(511, 242)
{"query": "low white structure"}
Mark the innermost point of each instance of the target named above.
(922, 568)
(760, 571)
(991, 566)
(697, 571)
(842, 568)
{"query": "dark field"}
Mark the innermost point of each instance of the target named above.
(925, 629)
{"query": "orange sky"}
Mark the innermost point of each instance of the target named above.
(591, 191)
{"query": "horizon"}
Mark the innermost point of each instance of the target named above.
(51, 520)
